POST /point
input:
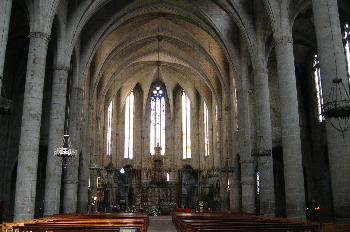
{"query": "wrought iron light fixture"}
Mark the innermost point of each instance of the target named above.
(65, 151)
(227, 168)
(259, 149)
(5, 103)
(336, 109)
(159, 39)
(5, 106)
(94, 167)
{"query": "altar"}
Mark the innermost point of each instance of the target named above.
(157, 189)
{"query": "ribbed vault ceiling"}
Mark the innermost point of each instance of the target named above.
(189, 39)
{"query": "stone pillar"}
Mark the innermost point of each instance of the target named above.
(84, 190)
(5, 12)
(30, 128)
(264, 141)
(244, 118)
(248, 185)
(70, 188)
(333, 65)
(292, 156)
(235, 188)
(56, 131)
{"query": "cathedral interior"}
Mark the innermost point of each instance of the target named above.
(210, 105)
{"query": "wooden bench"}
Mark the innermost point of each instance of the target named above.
(237, 222)
(85, 222)
(84, 225)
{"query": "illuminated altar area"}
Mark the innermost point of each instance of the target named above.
(157, 186)
(154, 162)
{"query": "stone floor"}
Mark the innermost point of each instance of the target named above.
(161, 224)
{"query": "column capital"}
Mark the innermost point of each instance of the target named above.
(61, 67)
(283, 39)
(40, 35)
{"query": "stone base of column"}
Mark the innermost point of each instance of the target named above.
(70, 198)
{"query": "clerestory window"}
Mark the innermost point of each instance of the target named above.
(186, 126)
(206, 130)
(109, 128)
(346, 39)
(129, 127)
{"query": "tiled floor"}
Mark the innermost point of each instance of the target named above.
(161, 224)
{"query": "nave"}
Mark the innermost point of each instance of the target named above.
(148, 106)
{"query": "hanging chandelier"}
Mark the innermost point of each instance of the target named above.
(65, 151)
(336, 110)
(5, 106)
(259, 149)
(94, 167)
(5, 103)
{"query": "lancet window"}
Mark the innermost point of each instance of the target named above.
(129, 127)
(157, 127)
(186, 126)
(109, 128)
(206, 130)
(318, 87)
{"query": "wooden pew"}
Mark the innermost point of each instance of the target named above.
(237, 222)
(84, 225)
(100, 216)
(85, 222)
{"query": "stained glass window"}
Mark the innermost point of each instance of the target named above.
(257, 182)
(318, 86)
(157, 129)
(109, 128)
(236, 107)
(347, 46)
(129, 127)
(206, 130)
(186, 126)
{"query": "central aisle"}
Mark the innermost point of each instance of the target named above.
(161, 224)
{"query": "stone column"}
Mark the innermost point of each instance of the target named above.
(56, 131)
(70, 188)
(248, 185)
(84, 173)
(333, 65)
(5, 12)
(244, 118)
(30, 128)
(235, 187)
(292, 156)
(247, 162)
(264, 140)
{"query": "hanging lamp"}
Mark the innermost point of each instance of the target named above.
(65, 151)
(259, 150)
(5, 103)
(336, 109)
